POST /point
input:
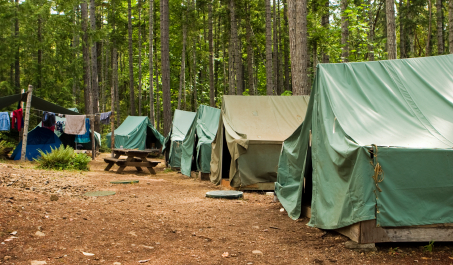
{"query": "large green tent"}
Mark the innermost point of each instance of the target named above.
(136, 132)
(381, 136)
(182, 120)
(196, 147)
(250, 136)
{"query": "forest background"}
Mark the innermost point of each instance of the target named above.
(149, 57)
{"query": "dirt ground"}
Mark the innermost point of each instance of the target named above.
(164, 219)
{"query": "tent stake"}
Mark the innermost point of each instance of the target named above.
(27, 119)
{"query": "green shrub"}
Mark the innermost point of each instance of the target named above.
(63, 158)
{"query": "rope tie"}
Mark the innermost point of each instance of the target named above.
(378, 175)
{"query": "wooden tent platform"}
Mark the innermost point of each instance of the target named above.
(270, 186)
(366, 232)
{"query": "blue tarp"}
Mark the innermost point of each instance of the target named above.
(38, 139)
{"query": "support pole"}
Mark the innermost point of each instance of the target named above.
(27, 120)
(93, 141)
(112, 122)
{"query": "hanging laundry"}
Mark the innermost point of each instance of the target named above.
(105, 117)
(4, 121)
(75, 124)
(60, 126)
(48, 119)
(17, 120)
(84, 138)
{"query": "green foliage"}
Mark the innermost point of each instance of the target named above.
(63, 159)
(287, 93)
(429, 247)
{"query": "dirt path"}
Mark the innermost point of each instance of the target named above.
(165, 219)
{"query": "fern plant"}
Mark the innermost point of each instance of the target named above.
(63, 158)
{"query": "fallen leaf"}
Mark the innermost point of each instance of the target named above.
(87, 254)
(225, 254)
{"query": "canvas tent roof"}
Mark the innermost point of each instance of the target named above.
(396, 113)
(182, 120)
(133, 133)
(202, 133)
(254, 128)
(36, 102)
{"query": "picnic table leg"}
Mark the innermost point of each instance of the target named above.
(109, 166)
(129, 159)
(150, 169)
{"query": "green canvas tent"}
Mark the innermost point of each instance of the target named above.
(182, 120)
(196, 147)
(136, 132)
(381, 136)
(250, 136)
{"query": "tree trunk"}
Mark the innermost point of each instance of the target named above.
(157, 99)
(450, 25)
(139, 58)
(428, 39)
(315, 57)
(325, 24)
(248, 32)
(402, 13)
(238, 62)
(131, 65)
(165, 61)
(440, 28)
(194, 75)
(211, 57)
(17, 43)
(391, 29)
(86, 57)
(286, 46)
(345, 31)
(182, 76)
(232, 60)
(150, 58)
(370, 32)
(94, 63)
(279, 53)
(269, 72)
(275, 49)
(40, 51)
(302, 38)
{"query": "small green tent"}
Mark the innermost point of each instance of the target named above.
(136, 132)
(250, 136)
(182, 120)
(196, 147)
(381, 136)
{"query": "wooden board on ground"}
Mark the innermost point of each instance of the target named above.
(257, 186)
(366, 232)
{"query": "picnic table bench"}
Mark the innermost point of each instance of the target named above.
(135, 158)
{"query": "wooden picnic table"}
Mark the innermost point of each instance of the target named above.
(135, 158)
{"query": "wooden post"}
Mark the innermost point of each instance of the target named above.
(27, 119)
(112, 122)
(93, 141)
(22, 128)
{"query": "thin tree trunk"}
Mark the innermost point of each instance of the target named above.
(248, 32)
(17, 43)
(286, 46)
(391, 29)
(345, 31)
(165, 61)
(150, 58)
(275, 49)
(232, 60)
(450, 25)
(211, 58)
(224, 70)
(86, 58)
(131, 65)
(103, 61)
(302, 38)
(280, 78)
(325, 23)
(370, 32)
(402, 13)
(269, 72)
(94, 62)
(428, 38)
(182, 76)
(440, 28)
(194, 75)
(139, 59)
(157, 99)
(238, 63)
(39, 85)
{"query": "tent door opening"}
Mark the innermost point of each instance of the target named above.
(308, 180)
(194, 156)
(226, 157)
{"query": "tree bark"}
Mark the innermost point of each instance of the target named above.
(39, 85)
(345, 31)
(391, 29)
(157, 99)
(402, 13)
(286, 46)
(182, 76)
(440, 28)
(269, 72)
(248, 32)
(211, 57)
(139, 58)
(302, 38)
(450, 25)
(370, 32)
(275, 49)
(94, 62)
(238, 62)
(194, 75)
(428, 38)
(280, 78)
(165, 61)
(326, 24)
(131, 63)
(17, 43)
(86, 57)
(150, 58)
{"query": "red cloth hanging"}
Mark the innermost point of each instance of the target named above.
(17, 117)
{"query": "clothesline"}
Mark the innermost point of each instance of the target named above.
(56, 113)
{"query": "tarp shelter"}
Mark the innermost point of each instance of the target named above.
(196, 147)
(38, 139)
(394, 116)
(36, 102)
(250, 136)
(182, 120)
(136, 132)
